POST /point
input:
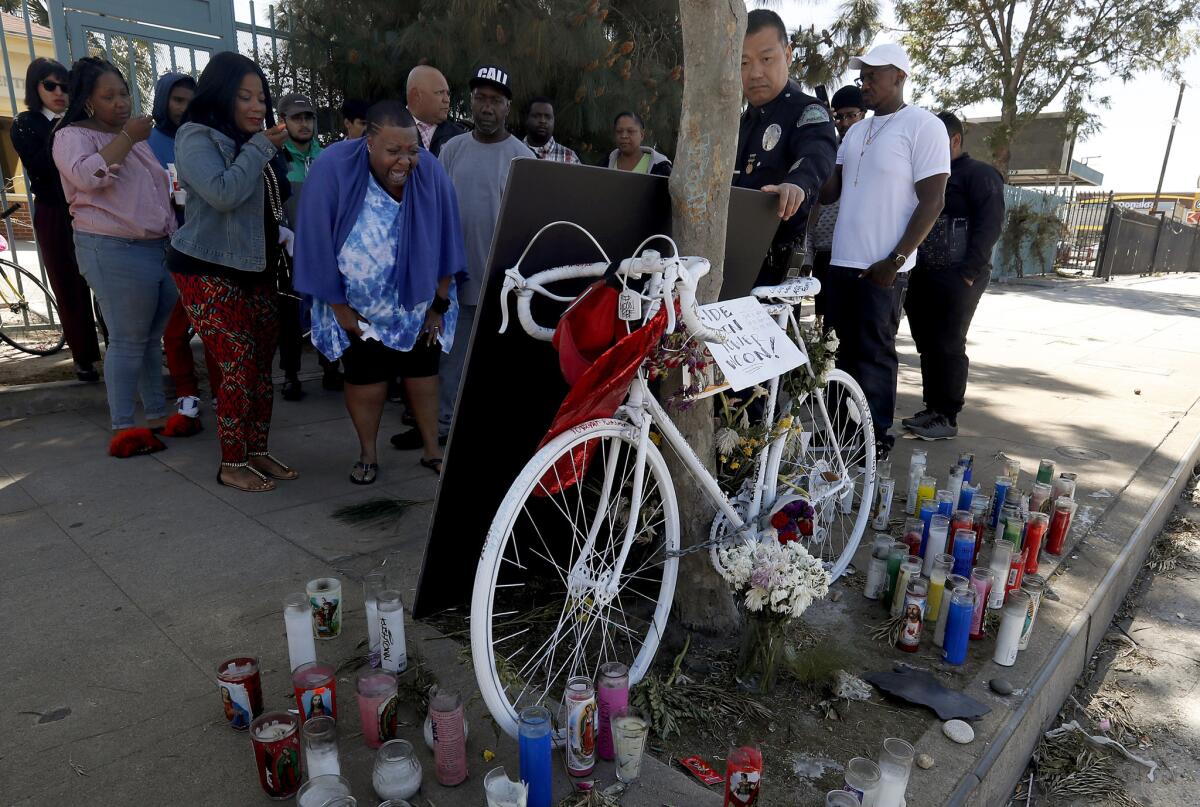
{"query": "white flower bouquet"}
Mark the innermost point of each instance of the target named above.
(774, 579)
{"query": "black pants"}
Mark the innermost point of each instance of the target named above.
(821, 272)
(866, 318)
(291, 338)
(940, 306)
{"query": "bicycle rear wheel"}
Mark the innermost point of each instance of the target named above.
(542, 609)
(831, 422)
(29, 318)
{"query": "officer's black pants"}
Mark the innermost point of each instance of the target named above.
(821, 273)
(866, 318)
(940, 306)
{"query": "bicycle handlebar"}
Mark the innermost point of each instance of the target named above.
(681, 276)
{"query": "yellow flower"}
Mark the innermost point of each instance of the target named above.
(656, 438)
(724, 459)
(488, 755)
(734, 465)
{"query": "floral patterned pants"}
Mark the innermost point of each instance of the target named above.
(239, 326)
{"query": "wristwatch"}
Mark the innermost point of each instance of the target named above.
(898, 260)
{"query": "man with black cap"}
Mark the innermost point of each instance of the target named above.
(891, 180)
(848, 110)
(478, 165)
(786, 144)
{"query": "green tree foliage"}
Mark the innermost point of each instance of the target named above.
(595, 58)
(823, 56)
(1027, 54)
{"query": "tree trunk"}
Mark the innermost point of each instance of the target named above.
(1002, 137)
(700, 183)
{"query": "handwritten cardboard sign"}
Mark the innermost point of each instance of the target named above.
(756, 349)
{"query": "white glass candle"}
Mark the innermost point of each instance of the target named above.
(1009, 636)
(297, 619)
(895, 765)
(502, 791)
(372, 585)
(954, 481)
(323, 789)
(391, 631)
(1002, 552)
(397, 772)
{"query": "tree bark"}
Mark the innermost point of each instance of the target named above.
(700, 184)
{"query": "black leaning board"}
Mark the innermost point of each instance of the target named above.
(512, 385)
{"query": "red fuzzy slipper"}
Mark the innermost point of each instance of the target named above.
(180, 425)
(130, 442)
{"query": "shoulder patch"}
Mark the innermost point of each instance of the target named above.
(813, 113)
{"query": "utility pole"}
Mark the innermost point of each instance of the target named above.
(1161, 176)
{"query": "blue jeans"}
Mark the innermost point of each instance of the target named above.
(136, 294)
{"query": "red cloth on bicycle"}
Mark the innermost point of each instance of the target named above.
(597, 393)
(586, 329)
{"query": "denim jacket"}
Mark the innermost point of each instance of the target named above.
(223, 216)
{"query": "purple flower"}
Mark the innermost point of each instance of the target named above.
(761, 577)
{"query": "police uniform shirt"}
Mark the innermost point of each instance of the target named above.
(789, 139)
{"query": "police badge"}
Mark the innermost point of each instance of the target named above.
(771, 137)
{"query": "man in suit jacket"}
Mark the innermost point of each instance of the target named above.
(429, 102)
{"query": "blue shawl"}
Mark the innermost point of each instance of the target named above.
(430, 245)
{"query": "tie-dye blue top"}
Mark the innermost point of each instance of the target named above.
(365, 262)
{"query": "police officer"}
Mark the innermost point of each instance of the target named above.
(787, 144)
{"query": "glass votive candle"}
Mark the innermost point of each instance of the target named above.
(377, 705)
(502, 791)
(325, 597)
(397, 772)
(629, 731)
(862, 780)
(321, 790)
(319, 738)
(840, 798)
(895, 766)
(276, 740)
(315, 685)
(241, 690)
(298, 622)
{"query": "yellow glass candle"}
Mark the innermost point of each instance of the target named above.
(926, 490)
(942, 565)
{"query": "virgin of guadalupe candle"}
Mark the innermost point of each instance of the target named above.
(962, 549)
(1033, 585)
(939, 528)
(914, 535)
(298, 621)
(916, 469)
(276, 740)
(325, 598)
(315, 685)
(958, 626)
(1003, 484)
(937, 583)
(378, 705)
(449, 738)
(743, 776)
(910, 568)
(953, 583)
(581, 726)
(1001, 560)
(1008, 637)
(1035, 532)
(534, 744)
(1060, 522)
(612, 695)
(241, 690)
(877, 567)
(982, 582)
(914, 615)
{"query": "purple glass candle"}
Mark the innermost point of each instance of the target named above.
(612, 692)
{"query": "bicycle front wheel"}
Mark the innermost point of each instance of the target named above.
(832, 431)
(547, 604)
(29, 318)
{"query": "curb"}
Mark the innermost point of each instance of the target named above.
(1004, 761)
(26, 400)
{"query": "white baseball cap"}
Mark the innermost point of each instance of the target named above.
(887, 54)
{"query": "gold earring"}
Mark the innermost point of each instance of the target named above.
(89, 110)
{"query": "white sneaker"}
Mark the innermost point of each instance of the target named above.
(188, 405)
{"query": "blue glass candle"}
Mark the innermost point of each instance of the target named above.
(958, 626)
(945, 503)
(963, 550)
(928, 511)
(1003, 484)
(967, 461)
(966, 496)
(535, 744)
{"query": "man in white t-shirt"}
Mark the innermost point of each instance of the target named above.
(890, 181)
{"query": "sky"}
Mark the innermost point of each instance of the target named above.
(1129, 148)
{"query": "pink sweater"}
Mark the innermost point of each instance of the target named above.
(131, 202)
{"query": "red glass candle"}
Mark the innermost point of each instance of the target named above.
(913, 528)
(276, 740)
(743, 776)
(1035, 532)
(241, 690)
(1016, 572)
(315, 685)
(962, 520)
(1059, 523)
(979, 524)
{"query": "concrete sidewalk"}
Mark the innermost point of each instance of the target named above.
(127, 581)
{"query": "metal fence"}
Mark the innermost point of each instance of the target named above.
(1020, 252)
(1084, 218)
(1138, 244)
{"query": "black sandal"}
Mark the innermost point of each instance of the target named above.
(370, 471)
(269, 484)
(433, 465)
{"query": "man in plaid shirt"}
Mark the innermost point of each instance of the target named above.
(539, 126)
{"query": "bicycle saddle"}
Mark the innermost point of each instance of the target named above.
(791, 288)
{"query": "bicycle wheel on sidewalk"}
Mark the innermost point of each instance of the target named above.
(29, 318)
(544, 606)
(836, 420)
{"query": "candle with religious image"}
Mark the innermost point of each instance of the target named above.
(581, 726)
(883, 503)
(325, 597)
(378, 705)
(275, 737)
(909, 569)
(241, 690)
(743, 776)
(315, 687)
(915, 599)
(1039, 498)
(1016, 571)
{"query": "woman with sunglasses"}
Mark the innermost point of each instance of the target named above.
(46, 101)
(120, 202)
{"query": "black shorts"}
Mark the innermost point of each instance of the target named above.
(369, 361)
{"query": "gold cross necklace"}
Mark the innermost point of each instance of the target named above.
(871, 137)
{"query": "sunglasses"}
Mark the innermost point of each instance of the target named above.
(51, 86)
(846, 116)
